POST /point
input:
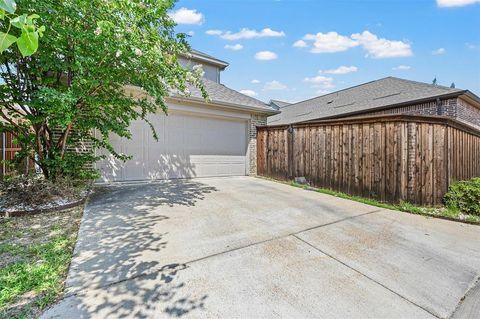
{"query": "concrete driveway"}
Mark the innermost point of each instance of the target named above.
(250, 248)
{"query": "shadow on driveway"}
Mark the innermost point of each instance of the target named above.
(115, 237)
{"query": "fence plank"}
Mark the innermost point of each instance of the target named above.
(390, 158)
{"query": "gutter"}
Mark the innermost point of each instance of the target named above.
(224, 104)
(216, 62)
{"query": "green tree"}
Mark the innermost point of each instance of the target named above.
(72, 90)
(452, 86)
(434, 82)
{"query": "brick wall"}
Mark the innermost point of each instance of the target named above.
(453, 108)
(468, 113)
(255, 120)
(448, 108)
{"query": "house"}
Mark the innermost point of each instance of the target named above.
(385, 96)
(277, 105)
(197, 138)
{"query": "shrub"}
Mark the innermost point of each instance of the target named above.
(464, 196)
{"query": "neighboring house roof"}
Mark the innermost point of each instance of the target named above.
(278, 104)
(384, 93)
(220, 94)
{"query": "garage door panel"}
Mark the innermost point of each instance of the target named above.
(222, 165)
(188, 146)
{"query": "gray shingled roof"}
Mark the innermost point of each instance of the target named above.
(373, 95)
(279, 103)
(219, 93)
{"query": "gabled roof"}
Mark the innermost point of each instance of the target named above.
(203, 57)
(379, 94)
(279, 103)
(222, 95)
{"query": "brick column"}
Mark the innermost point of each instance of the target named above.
(255, 120)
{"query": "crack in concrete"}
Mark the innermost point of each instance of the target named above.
(159, 269)
(368, 277)
(471, 289)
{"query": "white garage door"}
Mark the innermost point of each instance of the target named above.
(188, 146)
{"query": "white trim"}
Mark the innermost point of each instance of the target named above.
(250, 109)
(177, 106)
(197, 57)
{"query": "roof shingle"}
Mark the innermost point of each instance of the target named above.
(219, 93)
(373, 95)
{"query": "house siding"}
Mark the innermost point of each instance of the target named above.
(255, 120)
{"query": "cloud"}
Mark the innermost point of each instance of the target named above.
(246, 33)
(274, 85)
(382, 48)
(456, 3)
(341, 70)
(329, 42)
(320, 81)
(234, 47)
(266, 55)
(191, 33)
(439, 51)
(401, 67)
(187, 16)
(472, 46)
(376, 47)
(250, 93)
(213, 32)
(300, 44)
(255, 81)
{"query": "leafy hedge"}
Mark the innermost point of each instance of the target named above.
(464, 196)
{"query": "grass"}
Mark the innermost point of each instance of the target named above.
(441, 212)
(35, 253)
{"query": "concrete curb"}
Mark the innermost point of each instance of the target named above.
(20, 213)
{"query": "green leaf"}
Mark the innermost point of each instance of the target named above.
(19, 21)
(6, 40)
(8, 5)
(41, 30)
(28, 43)
(2, 14)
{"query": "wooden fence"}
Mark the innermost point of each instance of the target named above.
(390, 158)
(7, 152)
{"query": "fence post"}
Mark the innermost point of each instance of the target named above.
(290, 133)
(411, 161)
(4, 153)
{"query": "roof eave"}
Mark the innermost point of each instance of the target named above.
(386, 107)
(224, 104)
(472, 97)
(222, 64)
(211, 102)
